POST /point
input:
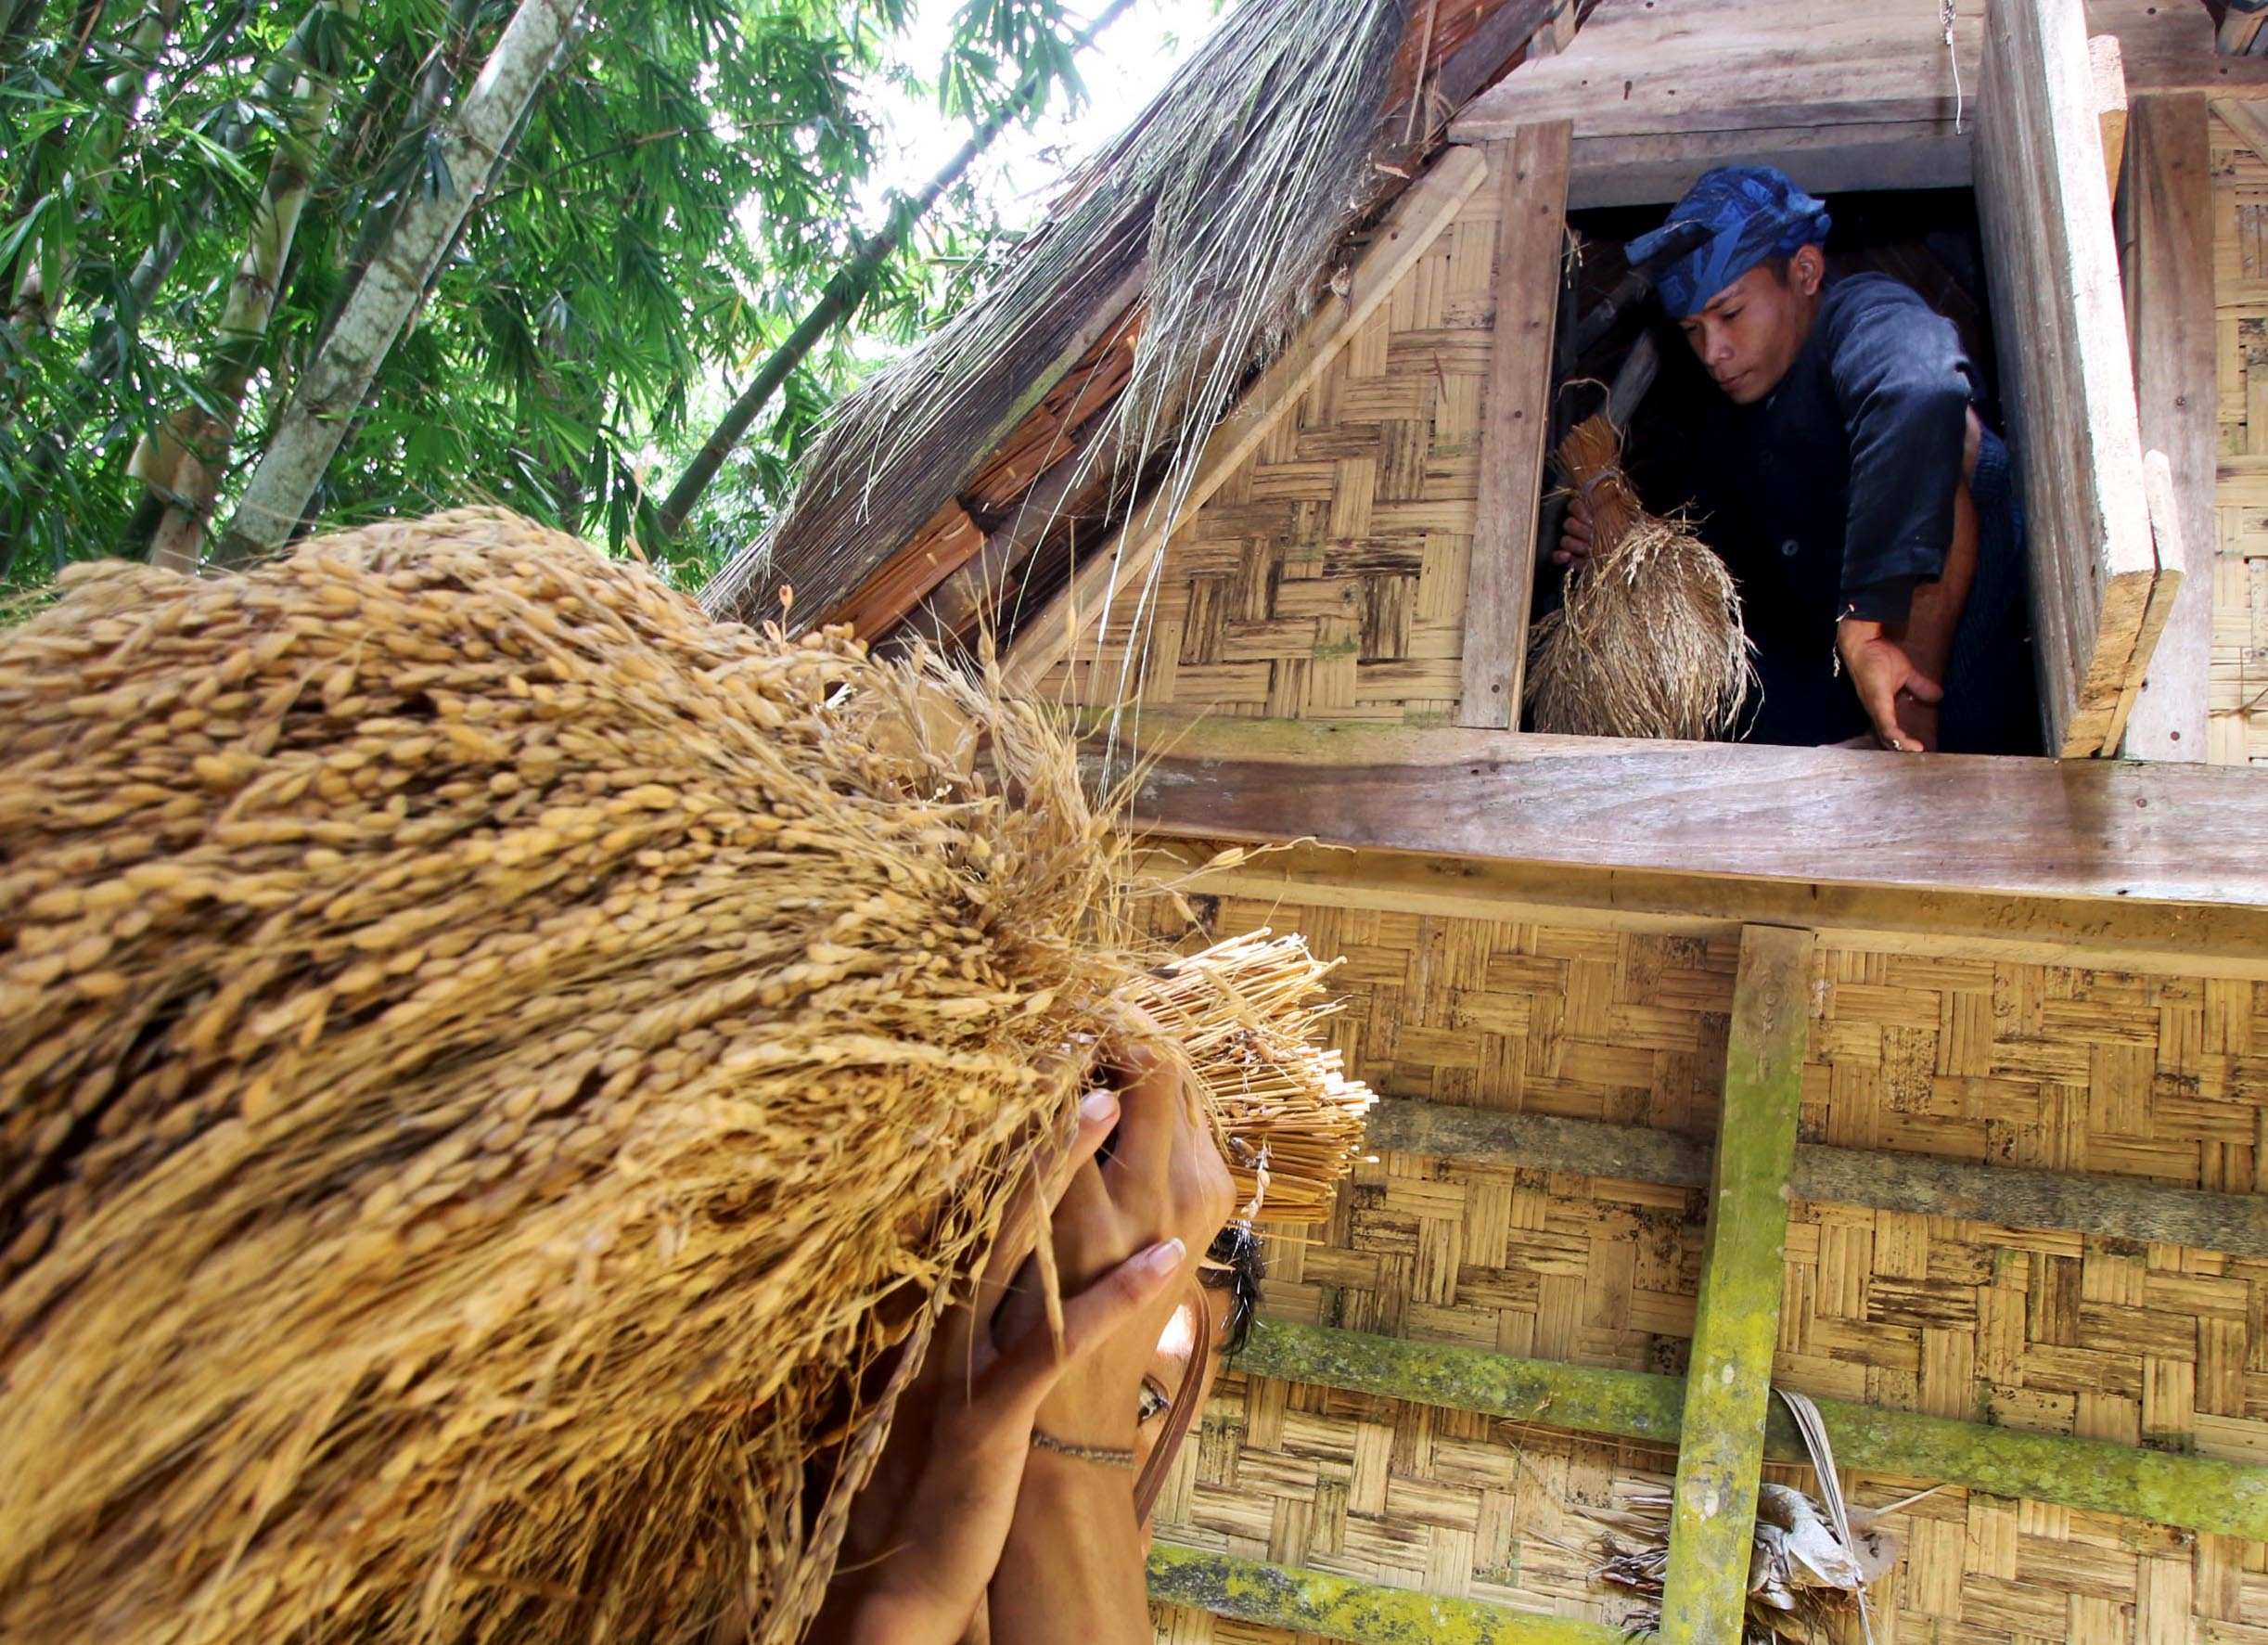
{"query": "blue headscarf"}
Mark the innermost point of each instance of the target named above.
(1752, 213)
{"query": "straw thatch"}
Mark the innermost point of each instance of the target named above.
(497, 1075)
(1649, 640)
(1227, 194)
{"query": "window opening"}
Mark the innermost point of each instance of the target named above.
(1767, 484)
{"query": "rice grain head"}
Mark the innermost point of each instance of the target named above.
(499, 1075)
(1648, 641)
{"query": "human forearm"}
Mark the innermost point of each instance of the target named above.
(1073, 1566)
(1936, 611)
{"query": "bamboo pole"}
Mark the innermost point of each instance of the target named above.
(1736, 1319)
(2005, 1196)
(1332, 1607)
(339, 376)
(2195, 1493)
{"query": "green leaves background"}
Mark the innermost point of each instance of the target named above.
(687, 180)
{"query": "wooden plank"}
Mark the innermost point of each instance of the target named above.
(1322, 1605)
(1656, 168)
(1736, 1311)
(2182, 940)
(1416, 220)
(2066, 377)
(1516, 420)
(2006, 1196)
(2000, 826)
(2170, 49)
(1504, 30)
(1639, 67)
(2180, 687)
(2108, 65)
(2198, 1493)
(2166, 252)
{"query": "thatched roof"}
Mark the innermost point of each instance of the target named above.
(1211, 218)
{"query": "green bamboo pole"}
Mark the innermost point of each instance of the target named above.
(2196, 1493)
(1341, 1608)
(1736, 1314)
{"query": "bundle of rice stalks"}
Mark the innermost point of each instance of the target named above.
(1649, 642)
(498, 1075)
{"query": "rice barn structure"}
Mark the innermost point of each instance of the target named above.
(1933, 1087)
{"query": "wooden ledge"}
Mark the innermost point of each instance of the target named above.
(2093, 832)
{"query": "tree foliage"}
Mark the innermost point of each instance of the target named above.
(690, 176)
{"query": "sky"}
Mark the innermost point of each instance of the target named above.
(1018, 175)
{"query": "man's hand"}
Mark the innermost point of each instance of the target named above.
(1890, 687)
(1574, 534)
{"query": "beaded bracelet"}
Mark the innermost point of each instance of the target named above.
(1109, 1455)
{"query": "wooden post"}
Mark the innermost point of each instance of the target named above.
(1530, 172)
(2165, 221)
(2108, 64)
(1736, 1318)
(2066, 380)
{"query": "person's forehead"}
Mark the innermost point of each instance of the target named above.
(1744, 286)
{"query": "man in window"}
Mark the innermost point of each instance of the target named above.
(1843, 475)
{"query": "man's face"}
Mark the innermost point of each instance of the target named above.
(1747, 335)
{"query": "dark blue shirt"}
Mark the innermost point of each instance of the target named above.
(1834, 495)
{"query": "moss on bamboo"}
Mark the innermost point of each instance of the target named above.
(1584, 1399)
(1341, 1608)
(2199, 1492)
(1736, 1312)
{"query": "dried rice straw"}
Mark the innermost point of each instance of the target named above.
(1649, 642)
(499, 1073)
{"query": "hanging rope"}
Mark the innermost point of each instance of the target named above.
(1953, 57)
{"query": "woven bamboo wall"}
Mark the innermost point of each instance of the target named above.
(2160, 1077)
(1326, 577)
(2239, 705)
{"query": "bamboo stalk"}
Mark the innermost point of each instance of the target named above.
(336, 380)
(200, 434)
(1737, 1312)
(1331, 1607)
(2196, 1493)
